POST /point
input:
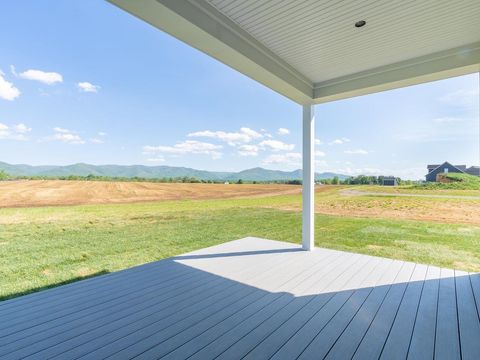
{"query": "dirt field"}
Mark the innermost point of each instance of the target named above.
(330, 200)
(60, 192)
(337, 201)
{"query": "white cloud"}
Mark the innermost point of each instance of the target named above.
(447, 120)
(252, 133)
(65, 136)
(15, 132)
(186, 147)
(276, 145)
(318, 142)
(356, 152)
(462, 97)
(48, 78)
(7, 90)
(245, 135)
(22, 128)
(283, 131)
(96, 141)
(88, 87)
(60, 130)
(340, 141)
(320, 153)
(102, 133)
(248, 150)
(289, 159)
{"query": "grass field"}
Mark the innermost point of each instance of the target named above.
(46, 246)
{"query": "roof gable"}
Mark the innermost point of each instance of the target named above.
(446, 163)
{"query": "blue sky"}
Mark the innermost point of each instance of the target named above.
(85, 82)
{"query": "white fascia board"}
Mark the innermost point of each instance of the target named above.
(454, 62)
(200, 25)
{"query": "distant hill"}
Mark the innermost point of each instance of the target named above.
(129, 171)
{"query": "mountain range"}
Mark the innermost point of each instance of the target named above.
(129, 171)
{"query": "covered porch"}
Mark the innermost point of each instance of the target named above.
(252, 299)
(262, 299)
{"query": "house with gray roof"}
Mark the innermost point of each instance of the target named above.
(446, 167)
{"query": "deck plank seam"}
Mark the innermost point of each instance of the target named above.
(477, 301)
(416, 312)
(458, 316)
(436, 315)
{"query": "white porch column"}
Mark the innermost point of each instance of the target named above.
(308, 239)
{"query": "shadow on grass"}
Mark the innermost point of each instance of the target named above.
(49, 286)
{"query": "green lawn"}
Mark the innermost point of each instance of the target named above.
(423, 190)
(43, 247)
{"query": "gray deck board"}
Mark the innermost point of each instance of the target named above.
(307, 333)
(468, 323)
(447, 345)
(76, 321)
(347, 343)
(398, 341)
(374, 338)
(252, 299)
(322, 343)
(422, 343)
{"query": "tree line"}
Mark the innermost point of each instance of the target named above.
(363, 180)
(177, 179)
(353, 180)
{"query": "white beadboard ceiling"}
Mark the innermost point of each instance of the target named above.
(319, 39)
(310, 50)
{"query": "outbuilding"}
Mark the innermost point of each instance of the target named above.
(389, 181)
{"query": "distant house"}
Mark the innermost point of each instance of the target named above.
(389, 181)
(473, 170)
(446, 167)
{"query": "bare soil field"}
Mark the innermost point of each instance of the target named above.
(330, 200)
(61, 192)
(337, 201)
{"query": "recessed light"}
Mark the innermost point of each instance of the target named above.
(360, 23)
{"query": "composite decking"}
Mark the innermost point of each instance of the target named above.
(252, 299)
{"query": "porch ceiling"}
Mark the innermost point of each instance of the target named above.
(311, 52)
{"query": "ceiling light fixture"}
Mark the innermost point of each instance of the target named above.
(360, 23)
